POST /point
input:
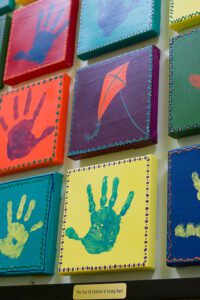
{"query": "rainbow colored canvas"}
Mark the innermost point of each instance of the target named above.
(29, 220)
(33, 124)
(183, 229)
(41, 40)
(106, 25)
(110, 219)
(184, 14)
(115, 104)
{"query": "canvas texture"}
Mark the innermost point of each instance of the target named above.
(33, 125)
(183, 234)
(115, 104)
(107, 25)
(109, 221)
(45, 42)
(29, 220)
(184, 14)
(184, 85)
(6, 6)
(5, 22)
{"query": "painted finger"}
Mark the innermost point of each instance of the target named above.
(36, 226)
(21, 207)
(28, 102)
(127, 204)
(71, 234)
(92, 204)
(104, 189)
(30, 209)
(114, 192)
(9, 214)
(39, 106)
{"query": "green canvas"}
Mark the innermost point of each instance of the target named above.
(184, 101)
(5, 22)
(6, 6)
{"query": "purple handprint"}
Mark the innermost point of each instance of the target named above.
(45, 36)
(21, 140)
(113, 13)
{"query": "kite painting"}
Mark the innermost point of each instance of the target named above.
(45, 42)
(30, 125)
(107, 25)
(29, 220)
(114, 107)
(109, 221)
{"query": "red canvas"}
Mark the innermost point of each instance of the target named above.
(33, 124)
(42, 39)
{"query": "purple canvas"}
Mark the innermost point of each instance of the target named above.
(115, 104)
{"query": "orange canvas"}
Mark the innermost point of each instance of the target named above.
(33, 124)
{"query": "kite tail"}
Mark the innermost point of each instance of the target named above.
(130, 117)
(94, 134)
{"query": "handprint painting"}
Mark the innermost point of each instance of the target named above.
(107, 25)
(32, 125)
(109, 222)
(183, 234)
(45, 42)
(29, 217)
(115, 104)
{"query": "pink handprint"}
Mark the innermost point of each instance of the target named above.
(21, 140)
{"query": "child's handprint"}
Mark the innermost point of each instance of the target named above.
(113, 13)
(13, 245)
(45, 36)
(21, 140)
(105, 223)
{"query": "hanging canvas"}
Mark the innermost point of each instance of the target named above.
(45, 42)
(6, 6)
(115, 104)
(29, 220)
(107, 25)
(184, 14)
(183, 234)
(110, 220)
(32, 125)
(5, 22)
(184, 101)
(24, 2)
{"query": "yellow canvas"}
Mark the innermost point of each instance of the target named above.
(184, 14)
(24, 2)
(110, 217)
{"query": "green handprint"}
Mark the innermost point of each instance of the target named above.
(13, 245)
(105, 223)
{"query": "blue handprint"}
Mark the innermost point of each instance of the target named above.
(113, 13)
(44, 38)
(105, 223)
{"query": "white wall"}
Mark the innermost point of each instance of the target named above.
(165, 143)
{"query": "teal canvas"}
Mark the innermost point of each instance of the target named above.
(29, 211)
(107, 25)
(5, 23)
(6, 6)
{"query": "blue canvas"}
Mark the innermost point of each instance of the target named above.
(107, 25)
(29, 211)
(183, 234)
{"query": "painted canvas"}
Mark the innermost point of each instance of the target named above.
(184, 101)
(184, 14)
(109, 222)
(24, 2)
(6, 6)
(29, 220)
(115, 104)
(107, 25)
(33, 124)
(45, 42)
(5, 22)
(183, 234)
